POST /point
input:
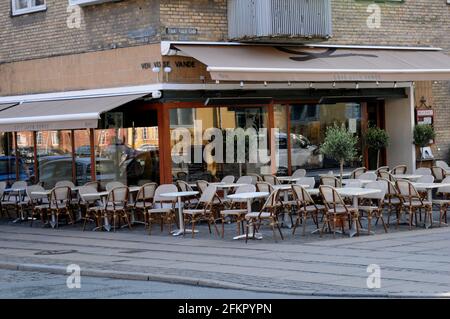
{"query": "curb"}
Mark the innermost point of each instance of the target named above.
(61, 270)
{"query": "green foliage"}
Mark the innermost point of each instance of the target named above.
(339, 144)
(376, 138)
(423, 133)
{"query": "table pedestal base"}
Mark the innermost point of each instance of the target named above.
(257, 236)
(181, 232)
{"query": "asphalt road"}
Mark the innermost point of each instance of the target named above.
(28, 285)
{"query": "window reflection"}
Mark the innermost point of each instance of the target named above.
(7, 158)
(25, 151)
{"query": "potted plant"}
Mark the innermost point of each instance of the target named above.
(423, 134)
(340, 145)
(377, 139)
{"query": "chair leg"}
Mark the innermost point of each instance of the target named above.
(193, 227)
(369, 221)
(304, 223)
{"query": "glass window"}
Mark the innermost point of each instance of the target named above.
(307, 132)
(241, 132)
(25, 149)
(27, 6)
(7, 158)
(128, 151)
(54, 150)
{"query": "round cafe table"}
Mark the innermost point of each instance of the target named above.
(179, 196)
(249, 197)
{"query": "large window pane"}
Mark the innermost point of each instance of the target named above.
(26, 156)
(7, 158)
(54, 150)
(241, 132)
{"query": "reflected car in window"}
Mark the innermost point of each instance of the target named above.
(8, 169)
(303, 153)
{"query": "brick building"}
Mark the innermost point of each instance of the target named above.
(51, 51)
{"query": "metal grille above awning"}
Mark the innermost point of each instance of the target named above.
(319, 64)
(59, 114)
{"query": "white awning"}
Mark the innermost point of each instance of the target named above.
(319, 64)
(77, 113)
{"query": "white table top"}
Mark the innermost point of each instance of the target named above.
(179, 194)
(286, 187)
(430, 185)
(250, 195)
(407, 176)
(22, 189)
(226, 185)
(345, 174)
(362, 181)
(289, 178)
(348, 191)
(42, 193)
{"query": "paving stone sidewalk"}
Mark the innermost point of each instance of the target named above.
(412, 263)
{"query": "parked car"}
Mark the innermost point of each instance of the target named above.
(143, 167)
(61, 169)
(8, 169)
(303, 153)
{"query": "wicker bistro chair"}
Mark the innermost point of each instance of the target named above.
(299, 173)
(306, 208)
(381, 169)
(237, 209)
(143, 200)
(399, 170)
(386, 175)
(33, 201)
(368, 176)
(245, 180)
(65, 183)
(357, 172)
(375, 203)
(85, 202)
(95, 184)
(443, 202)
(392, 199)
(163, 208)
(271, 179)
(330, 181)
(310, 181)
(255, 178)
(439, 173)
(424, 171)
(443, 165)
(191, 201)
(12, 199)
(203, 211)
(229, 179)
(60, 199)
(268, 212)
(336, 209)
(111, 185)
(201, 185)
(412, 201)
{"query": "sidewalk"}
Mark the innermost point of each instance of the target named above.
(413, 263)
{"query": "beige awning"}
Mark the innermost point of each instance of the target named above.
(59, 114)
(324, 64)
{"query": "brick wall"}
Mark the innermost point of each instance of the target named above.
(105, 26)
(205, 19)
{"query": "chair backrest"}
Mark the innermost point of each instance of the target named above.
(271, 179)
(382, 169)
(184, 186)
(19, 185)
(353, 183)
(34, 188)
(310, 181)
(146, 192)
(399, 169)
(368, 176)
(423, 171)
(358, 171)
(229, 179)
(301, 195)
(443, 165)
(2, 188)
(109, 186)
(255, 178)
(60, 196)
(425, 179)
(118, 197)
(208, 195)
(299, 173)
(264, 187)
(439, 173)
(244, 189)
(444, 189)
(162, 189)
(386, 175)
(271, 202)
(331, 197)
(330, 181)
(182, 176)
(95, 184)
(245, 180)
(378, 185)
(406, 189)
(202, 185)
(65, 183)
(391, 189)
(87, 189)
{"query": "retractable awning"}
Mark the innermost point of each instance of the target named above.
(319, 64)
(76, 113)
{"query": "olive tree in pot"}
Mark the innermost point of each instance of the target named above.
(340, 145)
(423, 133)
(377, 139)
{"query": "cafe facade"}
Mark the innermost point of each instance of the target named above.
(121, 114)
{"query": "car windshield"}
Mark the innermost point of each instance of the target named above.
(7, 166)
